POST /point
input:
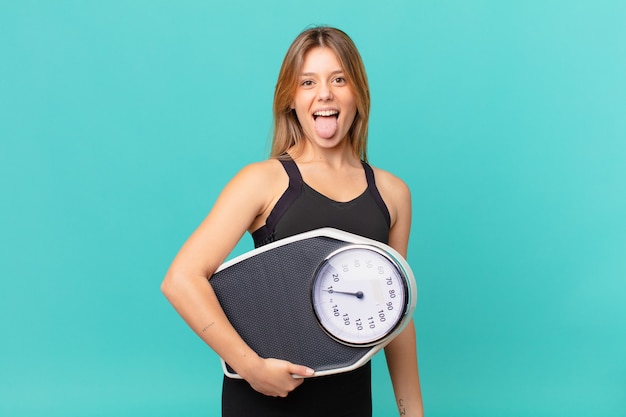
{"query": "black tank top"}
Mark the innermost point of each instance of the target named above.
(299, 210)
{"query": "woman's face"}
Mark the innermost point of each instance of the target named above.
(323, 101)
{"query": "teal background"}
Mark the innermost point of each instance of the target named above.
(120, 121)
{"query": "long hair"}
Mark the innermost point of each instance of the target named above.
(287, 129)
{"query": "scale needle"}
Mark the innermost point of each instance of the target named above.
(358, 294)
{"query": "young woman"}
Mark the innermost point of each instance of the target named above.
(317, 176)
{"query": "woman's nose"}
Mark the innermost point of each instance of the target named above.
(325, 93)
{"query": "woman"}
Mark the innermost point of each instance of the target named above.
(317, 176)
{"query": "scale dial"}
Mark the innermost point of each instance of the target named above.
(359, 295)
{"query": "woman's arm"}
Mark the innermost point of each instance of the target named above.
(247, 196)
(401, 356)
(401, 353)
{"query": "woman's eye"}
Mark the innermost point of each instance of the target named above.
(340, 80)
(306, 83)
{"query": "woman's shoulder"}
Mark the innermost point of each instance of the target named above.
(260, 181)
(397, 196)
(258, 186)
(262, 171)
(388, 182)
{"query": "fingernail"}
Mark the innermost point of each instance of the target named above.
(309, 371)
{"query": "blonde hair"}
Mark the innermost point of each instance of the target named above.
(287, 129)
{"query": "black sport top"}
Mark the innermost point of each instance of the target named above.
(301, 209)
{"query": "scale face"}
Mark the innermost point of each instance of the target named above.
(359, 295)
(326, 299)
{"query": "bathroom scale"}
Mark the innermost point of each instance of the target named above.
(326, 299)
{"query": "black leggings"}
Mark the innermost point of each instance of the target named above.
(343, 395)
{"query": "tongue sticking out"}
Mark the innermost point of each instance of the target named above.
(326, 126)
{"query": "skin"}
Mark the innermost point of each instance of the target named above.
(329, 166)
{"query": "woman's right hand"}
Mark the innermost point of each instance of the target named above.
(275, 377)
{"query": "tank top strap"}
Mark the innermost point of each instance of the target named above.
(265, 234)
(371, 186)
(292, 171)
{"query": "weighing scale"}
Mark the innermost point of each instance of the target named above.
(326, 299)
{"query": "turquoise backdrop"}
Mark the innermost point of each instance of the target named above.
(120, 121)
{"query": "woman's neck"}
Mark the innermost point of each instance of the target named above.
(336, 157)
